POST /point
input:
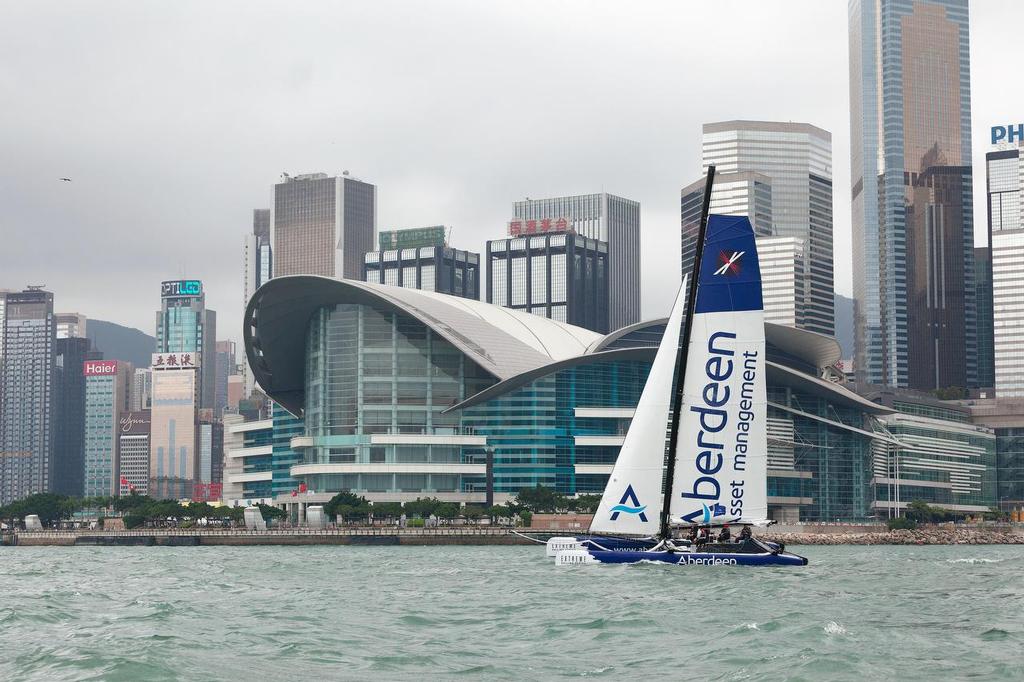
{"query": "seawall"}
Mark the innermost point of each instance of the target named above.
(295, 537)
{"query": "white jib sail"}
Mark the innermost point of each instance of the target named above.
(721, 454)
(632, 500)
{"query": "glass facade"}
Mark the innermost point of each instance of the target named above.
(986, 330)
(609, 219)
(1006, 281)
(185, 325)
(1008, 312)
(938, 461)
(1004, 175)
(561, 276)
(435, 268)
(796, 158)
(1010, 458)
(735, 193)
(106, 398)
(377, 382)
(914, 288)
(69, 413)
(27, 337)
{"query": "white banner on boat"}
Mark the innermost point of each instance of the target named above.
(632, 500)
(722, 451)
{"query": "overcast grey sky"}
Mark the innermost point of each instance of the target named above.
(175, 119)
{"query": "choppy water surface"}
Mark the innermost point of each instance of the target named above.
(259, 613)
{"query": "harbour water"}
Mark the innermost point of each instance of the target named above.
(259, 613)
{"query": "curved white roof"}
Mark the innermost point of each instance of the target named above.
(556, 340)
(503, 342)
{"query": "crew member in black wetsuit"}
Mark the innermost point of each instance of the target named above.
(725, 535)
(745, 534)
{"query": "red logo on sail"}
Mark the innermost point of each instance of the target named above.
(729, 263)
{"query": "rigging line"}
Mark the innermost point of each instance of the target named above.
(665, 531)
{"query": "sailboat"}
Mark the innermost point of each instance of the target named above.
(706, 388)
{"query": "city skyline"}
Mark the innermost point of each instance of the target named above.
(432, 173)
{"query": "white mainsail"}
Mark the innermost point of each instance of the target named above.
(721, 455)
(632, 500)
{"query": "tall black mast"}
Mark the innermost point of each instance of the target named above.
(665, 531)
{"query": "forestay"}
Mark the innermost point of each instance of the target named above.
(722, 452)
(632, 500)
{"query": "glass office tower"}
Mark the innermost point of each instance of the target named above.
(184, 325)
(106, 399)
(437, 268)
(1005, 177)
(561, 276)
(70, 354)
(27, 335)
(609, 219)
(797, 158)
(913, 246)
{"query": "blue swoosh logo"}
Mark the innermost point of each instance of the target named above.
(628, 510)
(707, 514)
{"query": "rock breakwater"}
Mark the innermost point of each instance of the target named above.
(920, 536)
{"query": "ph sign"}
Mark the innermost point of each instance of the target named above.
(1011, 133)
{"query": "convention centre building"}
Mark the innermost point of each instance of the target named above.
(396, 394)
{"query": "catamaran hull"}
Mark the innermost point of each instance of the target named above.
(556, 545)
(576, 557)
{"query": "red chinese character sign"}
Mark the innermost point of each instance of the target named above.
(517, 228)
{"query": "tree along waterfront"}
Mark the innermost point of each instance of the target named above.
(350, 509)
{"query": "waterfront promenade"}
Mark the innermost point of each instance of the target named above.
(841, 534)
(183, 537)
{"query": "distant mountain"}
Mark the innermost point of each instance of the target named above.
(121, 343)
(844, 324)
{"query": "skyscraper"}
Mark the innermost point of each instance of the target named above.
(173, 419)
(605, 218)
(421, 259)
(797, 158)
(257, 268)
(71, 325)
(783, 259)
(142, 389)
(26, 385)
(913, 232)
(70, 355)
(745, 194)
(560, 275)
(133, 452)
(184, 325)
(986, 324)
(226, 366)
(1005, 179)
(106, 400)
(322, 225)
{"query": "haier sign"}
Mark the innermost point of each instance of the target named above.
(99, 368)
(1011, 133)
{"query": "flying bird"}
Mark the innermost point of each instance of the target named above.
(66, 179)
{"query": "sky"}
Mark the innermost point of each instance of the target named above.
(174, 120)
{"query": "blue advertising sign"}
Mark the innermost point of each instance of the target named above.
(181, 287)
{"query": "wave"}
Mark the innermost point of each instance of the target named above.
(834, 628)
(974, 560)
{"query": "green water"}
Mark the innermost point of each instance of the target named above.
(425, 613)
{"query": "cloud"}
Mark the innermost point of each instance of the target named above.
(174, 120)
